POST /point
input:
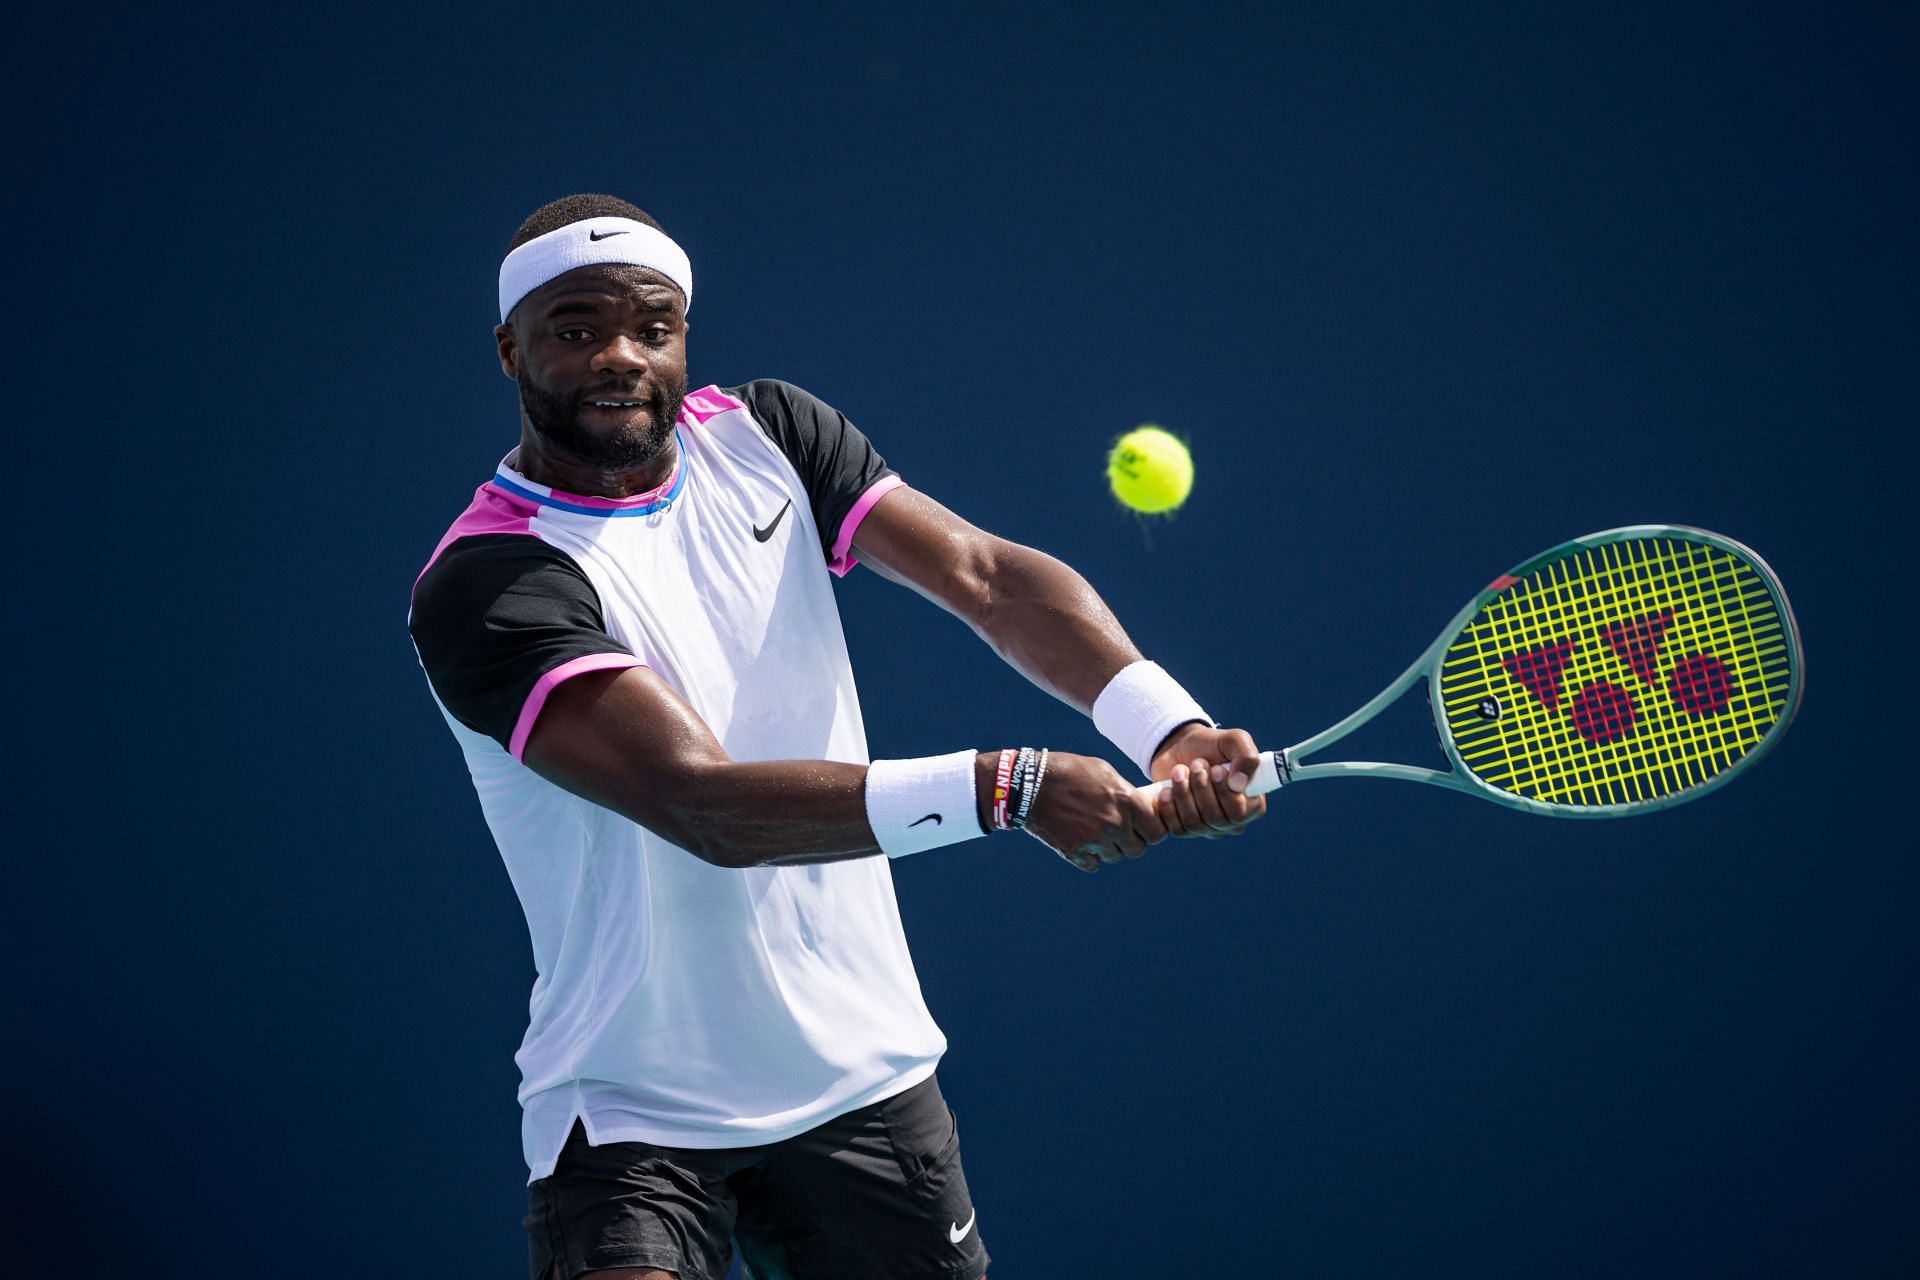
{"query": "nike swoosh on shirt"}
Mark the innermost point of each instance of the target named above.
(761, 535)
(956, 1233)
(934, 818)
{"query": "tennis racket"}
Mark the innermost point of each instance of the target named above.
(1618, 673)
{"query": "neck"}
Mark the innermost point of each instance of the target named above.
(543, 465)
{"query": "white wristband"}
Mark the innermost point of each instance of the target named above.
(915, 805)
(1140, 706)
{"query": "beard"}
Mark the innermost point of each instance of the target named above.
(556, 420)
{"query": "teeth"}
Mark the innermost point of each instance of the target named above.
(617, 404)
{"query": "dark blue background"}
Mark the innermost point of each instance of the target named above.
(1429, 291)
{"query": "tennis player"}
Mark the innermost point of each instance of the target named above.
(632, 633)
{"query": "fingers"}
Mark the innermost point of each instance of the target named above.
(1183, 812)
(1236, 747)
(1147, 822)
(1244, 760)
(1088, 814)
(1230, 783)
(1142, 827)
(1209, 800)
(1240, 774)
(1204, 778)
(1239, 807)
(1195, 802)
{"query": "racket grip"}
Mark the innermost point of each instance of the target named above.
(1270, 776)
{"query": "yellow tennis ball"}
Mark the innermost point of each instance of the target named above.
(1150, 469)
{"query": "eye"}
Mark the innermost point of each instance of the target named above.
(657, 333)
(571, 335)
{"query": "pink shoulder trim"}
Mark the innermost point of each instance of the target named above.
(544, 687)
(706, 403)
(843, 558)
(491, 511)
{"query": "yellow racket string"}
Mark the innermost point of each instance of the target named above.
(1588, 726)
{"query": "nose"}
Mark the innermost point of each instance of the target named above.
(621, 355)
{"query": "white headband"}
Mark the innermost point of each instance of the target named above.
(585, 243)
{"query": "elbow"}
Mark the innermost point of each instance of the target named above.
(710, 847)
(981, 573)
(695, 819)
(724, 854)
(707, 826)
(709, 844)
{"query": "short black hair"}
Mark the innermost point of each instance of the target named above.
(558, 213)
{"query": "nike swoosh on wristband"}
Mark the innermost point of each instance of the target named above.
(603, 235)
(934, 818)
(956, 1233)
(761, 535)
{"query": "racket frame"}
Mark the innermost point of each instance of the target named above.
(1288, 765)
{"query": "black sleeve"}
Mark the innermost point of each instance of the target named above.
(494, 614)
(837, 463)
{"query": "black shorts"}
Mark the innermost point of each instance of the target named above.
(876, 1194)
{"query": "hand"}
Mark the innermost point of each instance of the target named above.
(1209, 770)
(1088, 814)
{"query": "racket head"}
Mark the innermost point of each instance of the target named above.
(1625, 671)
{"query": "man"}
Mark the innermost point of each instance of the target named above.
(632, 633)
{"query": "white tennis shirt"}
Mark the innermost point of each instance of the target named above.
(677, 1002)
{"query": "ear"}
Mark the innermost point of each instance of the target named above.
(509, 350)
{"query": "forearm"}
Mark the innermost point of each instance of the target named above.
(775, 813)
(629, 743)
(730, 813)
(791, 812)
(1048, 623)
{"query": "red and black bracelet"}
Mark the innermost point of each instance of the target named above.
(1002, 785)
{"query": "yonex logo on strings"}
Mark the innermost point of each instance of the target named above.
(1604, 712)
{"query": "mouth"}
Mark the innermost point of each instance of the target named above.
(626, 410)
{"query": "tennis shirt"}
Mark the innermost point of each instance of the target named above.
(677, 1002)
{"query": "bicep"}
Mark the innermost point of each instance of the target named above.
(910, 539)
(1035, 611)
(628, 742)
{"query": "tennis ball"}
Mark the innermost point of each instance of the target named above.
(1150, 469)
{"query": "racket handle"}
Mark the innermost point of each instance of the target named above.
(1270, 776)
